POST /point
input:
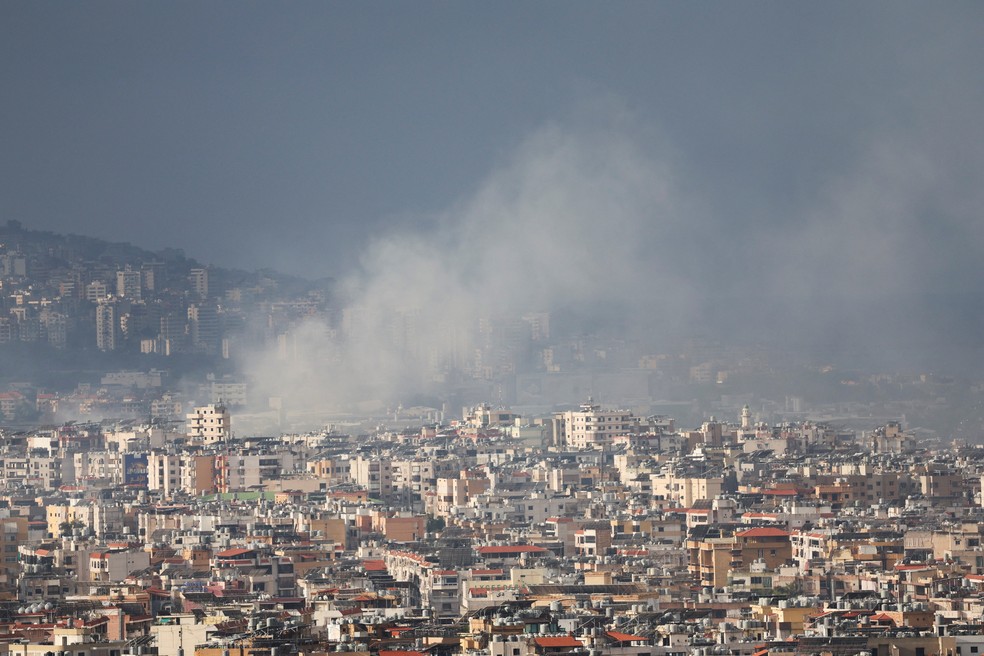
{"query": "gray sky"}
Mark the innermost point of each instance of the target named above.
(834, 141)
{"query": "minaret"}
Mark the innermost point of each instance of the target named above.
(746, 418)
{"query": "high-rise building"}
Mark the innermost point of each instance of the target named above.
(128, 284)
(173, 337)
(55, 327)
(13, 265)
(153, 275)
(203, 322)
(95, 291)
(199, 282)
(374, 474)
(228, 392)
(106, 326)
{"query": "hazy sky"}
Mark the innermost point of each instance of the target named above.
(804, 139)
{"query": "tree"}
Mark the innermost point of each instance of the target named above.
(68, 529)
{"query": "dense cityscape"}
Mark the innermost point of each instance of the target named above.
(591, 531)
(143, 513)
(554, 328)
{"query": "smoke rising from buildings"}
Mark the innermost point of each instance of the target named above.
(589, 226)
(740, 181)
(577, 223)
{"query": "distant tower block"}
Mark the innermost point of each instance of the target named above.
(199, 282)
(128, 283)
(746, 417)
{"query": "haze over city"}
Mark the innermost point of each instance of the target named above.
(554, 328)
(806, 176)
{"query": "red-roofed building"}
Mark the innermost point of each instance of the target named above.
(619, 637)
(882, 619)
(786, 492)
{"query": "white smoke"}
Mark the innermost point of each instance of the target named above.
(589, 223)
(577, 219)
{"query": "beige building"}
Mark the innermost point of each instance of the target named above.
(128, 284)
(114, 566)
(374, 474)
(684, 490)
(710, 560)
(169, 473)
(333, 471)
(61, 517)
(198, 474)
(13, 533)
(179, 632)
(591, 427)
(458, 492)
(593, 540)
(209, 424)
(106, 331)
(400, 528)
(236, 472)
(163, 472)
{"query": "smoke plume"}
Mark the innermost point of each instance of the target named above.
(580, 224)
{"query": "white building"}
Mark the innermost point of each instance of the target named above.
(128, 284)
(163, 472)
(591, 427)
(237, 472)
(209, 424)
(106, 326)
(229, 393)
(374, 474)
